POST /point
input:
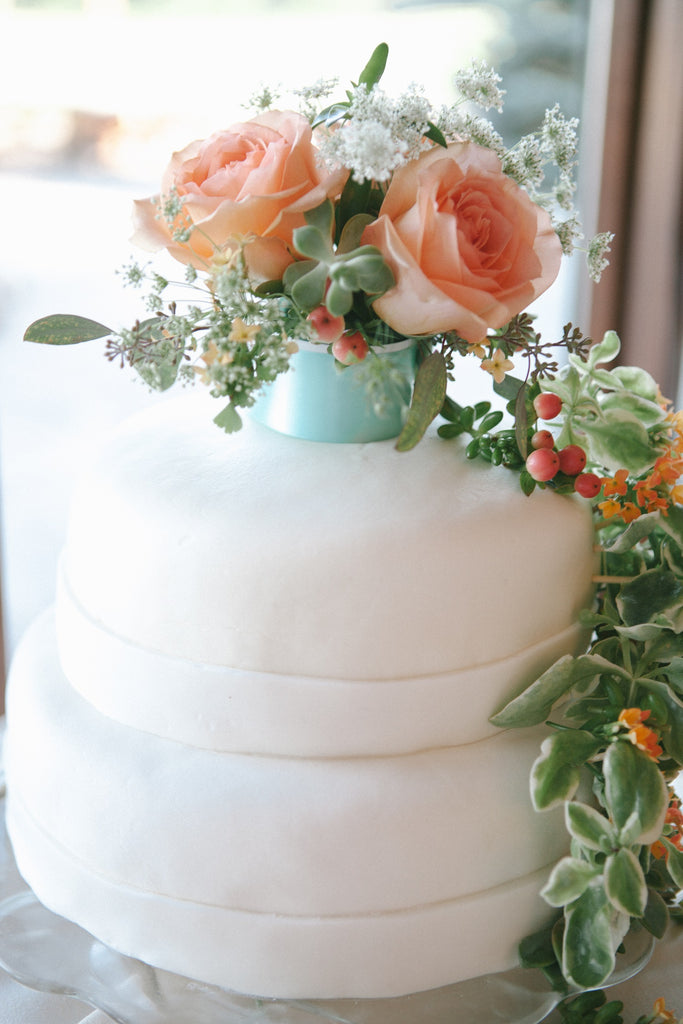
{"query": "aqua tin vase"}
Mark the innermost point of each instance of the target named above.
(317, 399)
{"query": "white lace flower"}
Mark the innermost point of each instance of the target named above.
(479, 84)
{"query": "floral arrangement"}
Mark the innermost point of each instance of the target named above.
(377, 220)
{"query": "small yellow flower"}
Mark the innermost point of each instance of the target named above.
(662, 1014)
(477, 349)
(498, 365)
(211, 356)
(241, 332)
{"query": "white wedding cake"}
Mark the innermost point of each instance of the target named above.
(251, 744)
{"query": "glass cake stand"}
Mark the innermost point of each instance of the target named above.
(46, 952)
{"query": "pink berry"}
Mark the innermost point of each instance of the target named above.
(543, 464)
(328, 327)
(587, 485)
(547, 405)
(572, 459)
(542, 439)
(350, 348)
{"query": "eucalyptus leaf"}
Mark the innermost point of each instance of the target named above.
(509, 387)
(428, 397)
(625, 884)
(65, 329)
(568, 880)
(330, 115)
(556, 772)
(633, 782)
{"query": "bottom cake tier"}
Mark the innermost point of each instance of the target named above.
(276, 876)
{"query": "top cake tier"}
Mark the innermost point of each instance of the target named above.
(320, 579)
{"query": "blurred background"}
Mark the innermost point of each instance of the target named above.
(96, 94)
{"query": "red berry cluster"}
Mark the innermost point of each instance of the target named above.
(347, 346)
(545, 461)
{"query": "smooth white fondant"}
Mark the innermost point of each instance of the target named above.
(302, 870)
(258, 751)
(223, 708)
(344, 561)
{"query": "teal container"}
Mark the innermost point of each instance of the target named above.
(318, 400)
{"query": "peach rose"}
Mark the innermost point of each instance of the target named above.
(467, 246)
(252, 182)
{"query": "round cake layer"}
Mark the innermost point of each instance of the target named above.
(223, 708)
(315, 574)
(312, 877)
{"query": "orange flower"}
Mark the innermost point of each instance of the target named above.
(467, 246)
(640, 735)
(633, 716)
(616, 484)
(252, 182)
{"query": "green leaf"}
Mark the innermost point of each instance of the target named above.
(556, 773)
(592, 829)
(228, 419)
(621, 441)
(605, 351)
(672, 731)
(374, 69)
(428, 397)
(65, 329)
(435, 135)
(634, 783)
(313, 243)
(537, 950)
(307, 289)
(674, 863)
(322, 218)
(672, 525)
(656, 916)
(568, 880)
(636, 531)
(159, 374)
(330, 115)
(509, 388)
(588, 949)
(534, 704)
(625, 883)
(352, 232)
(648, 595)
